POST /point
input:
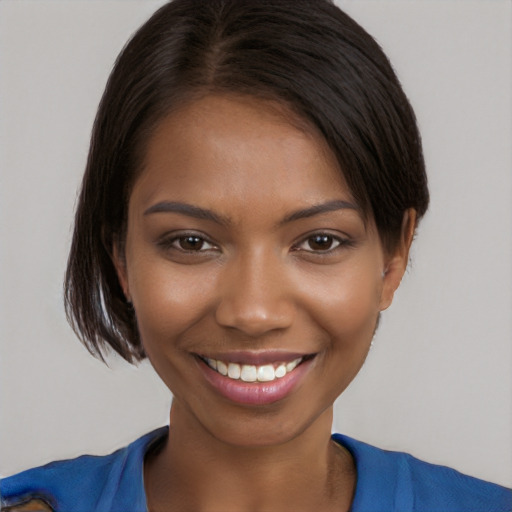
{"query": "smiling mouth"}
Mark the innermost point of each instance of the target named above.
(255, 373)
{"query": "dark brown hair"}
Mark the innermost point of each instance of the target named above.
(305, 54)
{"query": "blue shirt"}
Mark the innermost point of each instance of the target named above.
(386, 482)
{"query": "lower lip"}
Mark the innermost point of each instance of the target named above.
(255, 393)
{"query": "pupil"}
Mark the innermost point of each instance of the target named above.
(321, 242)
(191, 243)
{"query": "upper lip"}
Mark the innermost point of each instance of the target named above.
(255, 357)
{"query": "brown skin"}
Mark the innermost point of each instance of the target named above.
(255, 281)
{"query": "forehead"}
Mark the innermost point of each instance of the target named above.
(219, 148)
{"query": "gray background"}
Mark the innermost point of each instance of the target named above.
(437, 383)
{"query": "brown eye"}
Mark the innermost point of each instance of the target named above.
(191, 243)
(321, 243)
(186, 243)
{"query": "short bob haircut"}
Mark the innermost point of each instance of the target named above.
(308, 56)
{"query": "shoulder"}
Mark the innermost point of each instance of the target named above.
(404, 482)
(454, 488)
(80, 484)
(61, 483)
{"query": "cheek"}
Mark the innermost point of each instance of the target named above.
(169, 300)
(346, 303)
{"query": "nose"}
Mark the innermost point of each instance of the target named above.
(254, 296)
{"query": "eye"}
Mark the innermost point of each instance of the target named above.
(191, 243)
(320, 243)
(188, 242)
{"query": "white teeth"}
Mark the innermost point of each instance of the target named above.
(266, 373)
(222, 368)
(281, 371)
(249, 373)
(292, 364)
(234, 371)
(253, 373)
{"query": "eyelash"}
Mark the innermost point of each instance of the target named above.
(339, 241)
(172, 243)
(321, 237)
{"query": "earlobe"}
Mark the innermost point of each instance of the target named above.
(396, 263)
(119, 261)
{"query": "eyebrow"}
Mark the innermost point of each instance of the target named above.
(204, 214)
(318, 209)
(186, 209)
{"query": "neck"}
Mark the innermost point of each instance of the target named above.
(196, 471)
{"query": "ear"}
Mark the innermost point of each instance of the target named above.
(119, 260)
(396, 262)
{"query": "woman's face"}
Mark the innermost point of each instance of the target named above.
(247, 254)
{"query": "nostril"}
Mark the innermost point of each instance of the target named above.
(253, 319)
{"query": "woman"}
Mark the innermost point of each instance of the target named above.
(254, 183)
